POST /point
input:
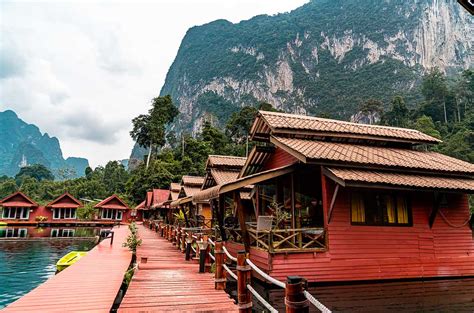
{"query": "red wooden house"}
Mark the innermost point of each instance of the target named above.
(338, 201)
(17, 207)
(63, 208)
(113, 209)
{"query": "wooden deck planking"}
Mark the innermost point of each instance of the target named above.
(169, 283)
(91, 284)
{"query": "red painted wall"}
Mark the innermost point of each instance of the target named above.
(279, 158)
(387, 252)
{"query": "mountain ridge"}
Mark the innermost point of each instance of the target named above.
(323, 57)
(23, 143)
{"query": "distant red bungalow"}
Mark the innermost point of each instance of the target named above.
(18, 206)
(64, 207)
(113, 209)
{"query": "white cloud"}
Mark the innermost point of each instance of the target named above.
(81, 70)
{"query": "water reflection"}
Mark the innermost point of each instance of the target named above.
(450, 295)
(28, 260)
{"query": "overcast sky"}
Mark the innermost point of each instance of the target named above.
(81, 70)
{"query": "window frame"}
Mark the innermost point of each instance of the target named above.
(394, 195)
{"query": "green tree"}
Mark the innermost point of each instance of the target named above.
(149, 130)
(425, 125)
(115, 177)
(398, 115)
(435, 90)
(36, 171)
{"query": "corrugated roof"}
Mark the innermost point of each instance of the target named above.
(312, 150)
(277, 123)
(403, 180)
(192, 180)
(159, 196)
(225, 160)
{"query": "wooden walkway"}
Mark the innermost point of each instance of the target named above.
(169, 283)
(89, 285)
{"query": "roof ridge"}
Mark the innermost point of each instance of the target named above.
(301, 116)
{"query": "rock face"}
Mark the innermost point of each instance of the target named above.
(23, 144)
(324, 57)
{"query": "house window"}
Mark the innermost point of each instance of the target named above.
(64, 213)
(54, 232)
(380, 209)
(16, 213)
(68, 233)
(111, 214)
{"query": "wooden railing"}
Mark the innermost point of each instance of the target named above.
(197, 243)
(283, 240)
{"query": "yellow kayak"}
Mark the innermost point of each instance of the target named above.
(69, 259)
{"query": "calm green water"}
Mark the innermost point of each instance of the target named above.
(27, 260)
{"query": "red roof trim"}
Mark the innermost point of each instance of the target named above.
(104, 202)
(21, 194)
(64, 195)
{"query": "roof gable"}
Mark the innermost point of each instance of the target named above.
(65, 200)
(112, 202)
(18, 199)
(160, 196)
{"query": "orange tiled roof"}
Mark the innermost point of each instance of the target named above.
(312, 150)
(223, 176)
(403, 180)
(277, 123)
(225, 160)
(192, 180)
(175, 187)
(191, 190)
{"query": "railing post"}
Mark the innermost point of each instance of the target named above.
(207, 258)
(219, 274)
(295, 299)
(202, 255)
(244, 277)
(183, 241)
(162, 230)
(178, 238)
(189, 242)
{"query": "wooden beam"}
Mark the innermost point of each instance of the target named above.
(241, 217)
(333, 201)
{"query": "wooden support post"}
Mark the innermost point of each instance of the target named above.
(207, 258)
(183, 241)
(295, 299)
(178, 239)
(189, 242)
(162, 229)
(241, 217)
(219, 273)
(202, 255)
(244, 277)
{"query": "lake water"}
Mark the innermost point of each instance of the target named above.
(447, 295)
(28, 255)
